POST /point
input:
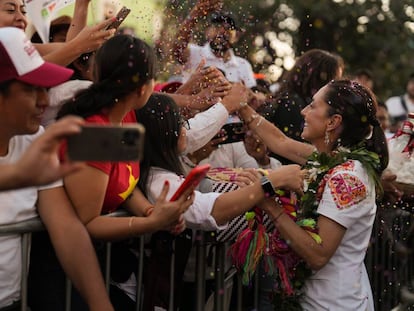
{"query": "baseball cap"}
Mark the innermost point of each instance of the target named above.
(224, 18)
(19, 60)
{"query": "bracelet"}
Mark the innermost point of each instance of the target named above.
(278, 216)
(252, 118)
(259, 122)
(131, 220)
(243, 104)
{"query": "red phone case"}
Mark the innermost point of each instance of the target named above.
(192, 180)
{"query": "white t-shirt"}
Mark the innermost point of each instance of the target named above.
(16, 206)
(395, 107)
(343, 284)
(236, 69)
(204, 126)
(198, 216)
(58, 95)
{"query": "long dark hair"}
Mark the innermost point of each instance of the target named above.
(358, 107)
(312, 70)
(121, 66)
(163, 124)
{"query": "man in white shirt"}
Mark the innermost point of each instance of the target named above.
(400, 106)
(221, 34)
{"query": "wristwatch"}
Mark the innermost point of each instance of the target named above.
(267, 187)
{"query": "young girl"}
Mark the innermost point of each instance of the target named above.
(165, 141)
(120, 85)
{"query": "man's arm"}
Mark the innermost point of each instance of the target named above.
(201, 9)
(73, 247)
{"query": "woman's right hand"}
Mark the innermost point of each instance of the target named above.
(167, 214)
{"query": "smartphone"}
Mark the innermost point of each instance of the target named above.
(233, 131)
(107, 143)
(120, 17)
(192, 180)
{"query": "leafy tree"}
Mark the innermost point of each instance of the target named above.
(372, 34)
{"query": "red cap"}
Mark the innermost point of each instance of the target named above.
(19, 60)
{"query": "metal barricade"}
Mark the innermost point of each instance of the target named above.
(26, 228)
(388, 267)
(382, 263)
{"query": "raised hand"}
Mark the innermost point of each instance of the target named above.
(92, 37)
(238, 95)
(256, 148)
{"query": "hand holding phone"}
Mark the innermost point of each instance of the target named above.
(234, 132)
(120, 17)
(192, 180)
(107, 143)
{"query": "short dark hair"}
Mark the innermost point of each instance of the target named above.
(224, 18)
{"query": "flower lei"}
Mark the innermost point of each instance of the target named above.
(292, 271)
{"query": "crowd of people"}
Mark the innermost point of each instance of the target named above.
(312, 157)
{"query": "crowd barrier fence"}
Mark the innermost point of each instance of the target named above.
(389, 269)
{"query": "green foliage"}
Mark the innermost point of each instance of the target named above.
(366, 33)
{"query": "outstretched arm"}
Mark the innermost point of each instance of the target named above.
(234, 203)
(274, 138)
(88, 40)
(80, 16)
(201, 9)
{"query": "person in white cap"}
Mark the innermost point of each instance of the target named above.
(24, 77)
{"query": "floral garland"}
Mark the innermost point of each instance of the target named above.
(292, 271)
(319, 166)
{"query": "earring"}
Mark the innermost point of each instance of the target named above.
(327, 139)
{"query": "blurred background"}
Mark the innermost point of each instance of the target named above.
(371, 34)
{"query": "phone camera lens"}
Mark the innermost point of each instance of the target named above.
(130, 138)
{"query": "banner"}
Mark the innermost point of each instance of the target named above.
(42, 12)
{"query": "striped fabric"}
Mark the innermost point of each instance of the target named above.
(238, 224)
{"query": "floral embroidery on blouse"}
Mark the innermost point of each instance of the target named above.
(346, 190)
